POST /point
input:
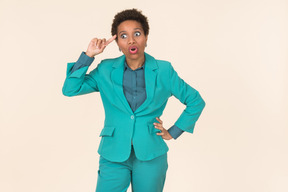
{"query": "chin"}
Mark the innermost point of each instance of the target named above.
(134, 56)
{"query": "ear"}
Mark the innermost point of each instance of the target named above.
(146, 39)
(118, 45)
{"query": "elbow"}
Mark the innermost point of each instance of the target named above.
(66, 93)
(203, 103)
(200, 101)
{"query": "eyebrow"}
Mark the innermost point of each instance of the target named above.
(134, 29)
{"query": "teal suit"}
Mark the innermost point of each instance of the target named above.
(123, 126)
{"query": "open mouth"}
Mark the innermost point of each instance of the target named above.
(133, 49)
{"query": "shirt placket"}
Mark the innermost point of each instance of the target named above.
(134, 85)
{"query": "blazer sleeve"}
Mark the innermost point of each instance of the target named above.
(78, 82)
(189, 97)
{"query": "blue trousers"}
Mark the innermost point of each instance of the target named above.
(144, 176)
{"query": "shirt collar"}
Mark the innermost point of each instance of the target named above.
(127, 67)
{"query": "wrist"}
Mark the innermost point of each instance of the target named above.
(89, 54)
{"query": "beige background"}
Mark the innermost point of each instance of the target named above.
(233, 52)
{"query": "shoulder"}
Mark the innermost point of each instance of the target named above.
(110, 62)
(162, 64)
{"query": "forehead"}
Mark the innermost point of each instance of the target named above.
(129, 25)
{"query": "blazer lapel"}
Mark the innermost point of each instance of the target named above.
(150, 81)
(150, 73)
(117, 79)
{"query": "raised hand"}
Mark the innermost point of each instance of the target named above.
(97, 46)
(164, 133)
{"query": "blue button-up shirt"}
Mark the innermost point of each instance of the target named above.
(133, 87)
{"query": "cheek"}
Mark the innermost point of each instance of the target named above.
(120, 42)
(144, 41)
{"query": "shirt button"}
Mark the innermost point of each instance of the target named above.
(132, 116)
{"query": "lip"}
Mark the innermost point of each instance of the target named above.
(133, 49)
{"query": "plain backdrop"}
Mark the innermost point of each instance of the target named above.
(233, 52)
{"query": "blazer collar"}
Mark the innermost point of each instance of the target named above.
(127, 67)
(119, 62)
(150, 72)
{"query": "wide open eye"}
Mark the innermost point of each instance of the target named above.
(137, 34)
(123, 36)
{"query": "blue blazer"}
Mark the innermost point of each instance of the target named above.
(123, 126)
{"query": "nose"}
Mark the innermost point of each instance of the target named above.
(131, 40)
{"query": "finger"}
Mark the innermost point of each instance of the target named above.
(111, 39)
(102, 45)
(159, 127)
(94, 42)
(156, 127)
(159, 120)
(104, 42)
(98, 44)
(160, 133)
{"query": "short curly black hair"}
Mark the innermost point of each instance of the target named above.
(130, 14)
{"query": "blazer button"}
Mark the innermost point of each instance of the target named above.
(132, 116)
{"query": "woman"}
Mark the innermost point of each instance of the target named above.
(134, 89)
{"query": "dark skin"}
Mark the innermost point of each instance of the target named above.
(130, 33)
(164, 133)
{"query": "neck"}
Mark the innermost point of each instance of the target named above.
(135, 63)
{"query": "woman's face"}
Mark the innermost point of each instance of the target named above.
(131, 39)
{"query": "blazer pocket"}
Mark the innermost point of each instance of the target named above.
(152, 129)
(107, 131)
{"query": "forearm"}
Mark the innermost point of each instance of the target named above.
(175, 131)
(83, 61)
(77, 82)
